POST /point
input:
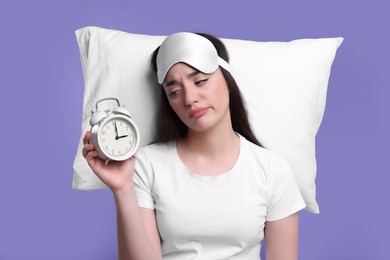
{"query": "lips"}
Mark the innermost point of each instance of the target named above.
(198, 112)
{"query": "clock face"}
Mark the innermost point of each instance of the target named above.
(117, 137)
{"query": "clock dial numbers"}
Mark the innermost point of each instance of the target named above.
(118, 136)
(124, 130)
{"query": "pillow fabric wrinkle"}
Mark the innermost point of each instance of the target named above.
(284, 85)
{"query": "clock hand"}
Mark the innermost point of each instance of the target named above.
(122, 136)
(116, 131)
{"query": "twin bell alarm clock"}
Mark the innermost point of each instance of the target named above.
(113, 133)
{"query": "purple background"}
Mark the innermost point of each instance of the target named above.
(41, 217)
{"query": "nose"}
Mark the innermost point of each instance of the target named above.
(191, 95)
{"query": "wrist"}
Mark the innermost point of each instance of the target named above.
(124, 191)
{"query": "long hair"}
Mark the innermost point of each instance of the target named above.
(169, 125)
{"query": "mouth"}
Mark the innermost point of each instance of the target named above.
(198, 112)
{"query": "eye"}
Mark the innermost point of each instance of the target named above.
(201, 82)
(174, 93)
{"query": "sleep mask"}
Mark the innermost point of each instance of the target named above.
(190, 48)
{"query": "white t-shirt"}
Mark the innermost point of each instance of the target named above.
(215, 217)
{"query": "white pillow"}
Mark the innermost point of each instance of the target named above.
(284, 85)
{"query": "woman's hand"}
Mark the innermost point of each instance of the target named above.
(116, 175)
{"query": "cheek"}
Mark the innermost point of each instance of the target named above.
(220, 86)
(221, 92)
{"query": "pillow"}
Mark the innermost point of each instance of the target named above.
(284, 85)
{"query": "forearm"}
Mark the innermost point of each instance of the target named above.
(133, 242)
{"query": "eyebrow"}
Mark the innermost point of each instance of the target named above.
(172, 82)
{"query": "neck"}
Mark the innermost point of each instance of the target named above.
(211, 142)
(210, 153)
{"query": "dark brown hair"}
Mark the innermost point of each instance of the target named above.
(169, 125)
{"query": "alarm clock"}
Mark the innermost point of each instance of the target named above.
(114, 134)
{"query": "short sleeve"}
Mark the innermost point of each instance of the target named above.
(143, 180)
(284, 197)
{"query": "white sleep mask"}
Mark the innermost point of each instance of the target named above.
(190, 48)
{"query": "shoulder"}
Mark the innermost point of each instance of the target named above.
(151, 158)
(271, 162)
(157, 149)
(155, 155)
(252, 151)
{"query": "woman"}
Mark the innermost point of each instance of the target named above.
(208, 190)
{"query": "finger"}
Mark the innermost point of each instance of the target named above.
(94, 161)
(86, 138)
(87, 148)
(91, 155)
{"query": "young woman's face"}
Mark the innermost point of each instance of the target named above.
(200, 100)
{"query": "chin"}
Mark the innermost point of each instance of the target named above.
(200, 127)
